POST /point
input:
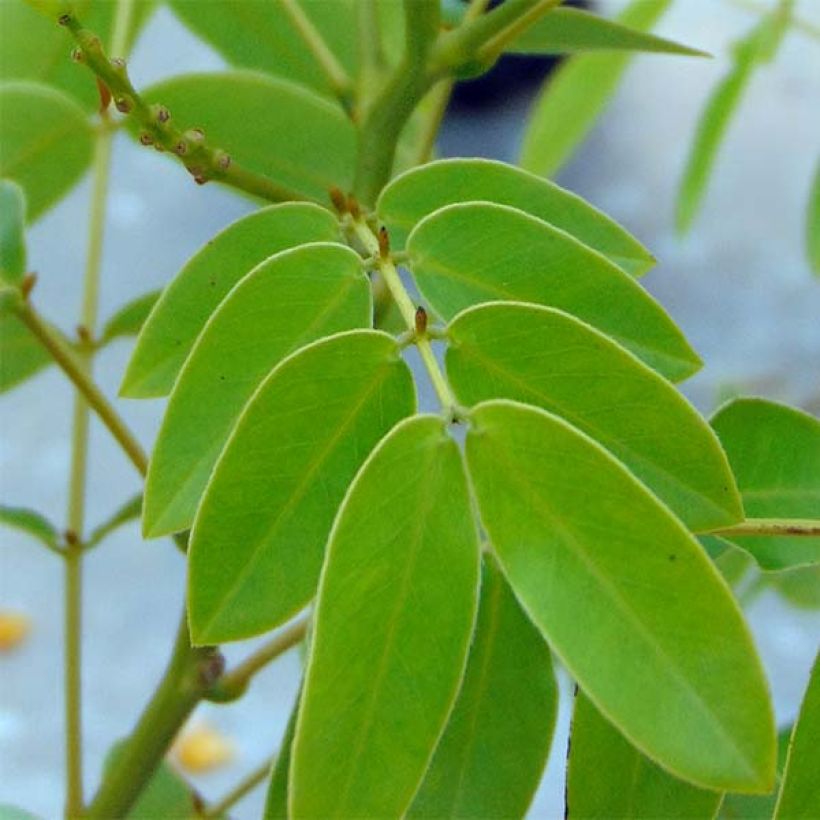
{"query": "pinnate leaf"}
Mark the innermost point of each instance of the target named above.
(270, 126)
(291, 299)
(130, 318)
(609, 778)
(394, 616)
(46, 141)
(490, 759)
(31, 522)
(545, 357)
(181, 312)
(625, 596)
(574, 96)
(566, 30)
(466, 254)
(260, 532)
(21, 355)
(774, 451)
(417, 193)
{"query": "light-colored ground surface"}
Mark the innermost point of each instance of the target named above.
(739, 287)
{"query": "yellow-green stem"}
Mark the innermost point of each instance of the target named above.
(241, 790)
(805, 527)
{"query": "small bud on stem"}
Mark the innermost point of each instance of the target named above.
(353, 207)
(28, 283)
(384, 243)
(338, 199)
(421, 321)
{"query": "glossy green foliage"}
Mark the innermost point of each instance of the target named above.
(625, 596)
(799, 586)
(130, 318)
(274, 127)
(31, 522)
(46, 141)
(544, 357)
(774, 451)
(260, 35)
(166, 795)
(475, 252)
(566, 30)
(12, 236)
(576, 94)
(34, 47)
(608, 778)
(394, 617)
(813, 224)
(758, 47)
(416, 194)
(291, 299)
(490, 759)
(21, 355)
(799, 795)
(185, 305)
(276, 802)
(259, 536)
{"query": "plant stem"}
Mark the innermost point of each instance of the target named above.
(234, 683)
(390, 275)
(244, 787)
(187, 677)
(772, 526)
(335, 74)
(72, 366)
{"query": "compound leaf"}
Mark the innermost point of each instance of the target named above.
(475, 252)
(260, 532)
(394, 617)
(30, 522)
(261, 35)
(566, 30)
(799, 795)
(489, 761)
(774, 451)
(417, 193)
(178, 317)
(46, 141)
(545, 357)
(609, 778)
(12, 232)
(130, 318)
(625, 596)
(21, 355)
(290, 300)
(271, 126)
(575, 95)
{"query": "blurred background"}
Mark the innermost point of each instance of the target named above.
(739, 285)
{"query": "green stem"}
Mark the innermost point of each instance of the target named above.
(243, 788)
(187, 677)
(773, 526)
(72, 366)
(335, 74)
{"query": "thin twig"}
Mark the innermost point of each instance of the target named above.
(238, 792)
(773, 526)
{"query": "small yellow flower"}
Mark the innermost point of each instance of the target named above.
(201, 749)
(14, 628)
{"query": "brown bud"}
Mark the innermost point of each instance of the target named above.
(64, 19)
(421, 321)
(223, 160)
(161, 113)
(77, 55)
(123, 105)
(28, 283)
(146, 138)
(105, 95)
(71, 538)
(353, 206)
(200, 179)
(83, 334)
(181, 148)
(384, 243)
(338, 199)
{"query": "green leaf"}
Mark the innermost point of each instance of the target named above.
(489, 761)
(799, 795)
(276, 803)
(415, 194)
(575, 95)
(21, 355)
(12, 232)
(34, 47)
(166, 795)
(475, 252)
(813, 224)
(260, 532)
(609, 778)
(774, 452)
(46, 141)
(260, 35)
(799, 586)
(129, 511)
(566, 30)
(183, 309)
(545, 357)
(625, 596)
(270, 126)
(758, 47)
(31, 522)
(291, 299)
(395, 612)
(13, 813)
(130, 318)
